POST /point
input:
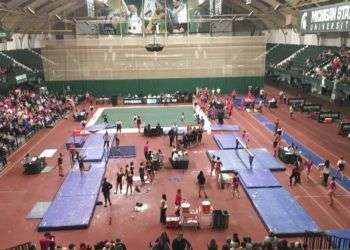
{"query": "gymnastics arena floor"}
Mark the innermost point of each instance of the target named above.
(19, 193)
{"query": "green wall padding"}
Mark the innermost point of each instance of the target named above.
(155, 86)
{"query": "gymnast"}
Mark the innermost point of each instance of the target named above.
(81, 164)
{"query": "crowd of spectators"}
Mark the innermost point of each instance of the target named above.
(25, 110)
(164, 242)
(330, 64)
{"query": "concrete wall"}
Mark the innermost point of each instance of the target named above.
(126, 58)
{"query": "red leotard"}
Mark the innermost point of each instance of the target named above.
(332, 186)
(235, 182)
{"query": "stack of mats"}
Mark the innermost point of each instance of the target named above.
(278, 210)
(101, 126)
(93, 150)
(75, 141)
(305, 151)
(224, 127)
(226, 141)
(122, 152)
(75, 201)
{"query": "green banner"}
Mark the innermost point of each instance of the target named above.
(329, 18)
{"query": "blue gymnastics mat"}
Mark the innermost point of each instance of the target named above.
(234, 160)
(226, 141)
(122, 152)
(258, 178)
(93, 150)
(224, 127)
(76, 141)
(267, 159)
(80, 184)
(305, 151)
(280, 212)
(230, 162)
(93, 154)
(69, 212)
(261, 118)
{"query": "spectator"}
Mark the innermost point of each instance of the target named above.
(162, 243)
(180, 243)
(212, 245)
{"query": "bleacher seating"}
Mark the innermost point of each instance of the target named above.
(280, 52)
(27, 58)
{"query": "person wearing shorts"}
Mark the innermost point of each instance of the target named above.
(235, 185)
(331, 190)
(340, 167)
(308, 165)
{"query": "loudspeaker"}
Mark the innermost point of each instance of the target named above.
(114, 100)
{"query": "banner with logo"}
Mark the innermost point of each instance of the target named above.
(328, 114)
(329, 18)
(296, 102)
(310, 107)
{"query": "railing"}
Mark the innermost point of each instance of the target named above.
(24, 246)
(323, 241)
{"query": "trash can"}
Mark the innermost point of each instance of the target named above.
(225, 217)
(217, 217)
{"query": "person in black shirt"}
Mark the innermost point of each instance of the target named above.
(199, 135)
(138, 123)
(201, 184)
(180, 243)
(142, 173)
(3, 158)
(60, 165)
(105, 118)
(171, 135)
(106, 187)
(119, 182)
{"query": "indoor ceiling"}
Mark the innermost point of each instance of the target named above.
(38, 16)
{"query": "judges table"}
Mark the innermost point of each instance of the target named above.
(287, 156)
(150, 132)
(35, 165)
(179, 164)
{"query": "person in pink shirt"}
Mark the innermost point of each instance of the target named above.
(331, 190)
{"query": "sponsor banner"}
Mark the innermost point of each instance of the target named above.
(328, 114)
(329, 18)
(311, 107)
(296, 102)
(345, 126)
